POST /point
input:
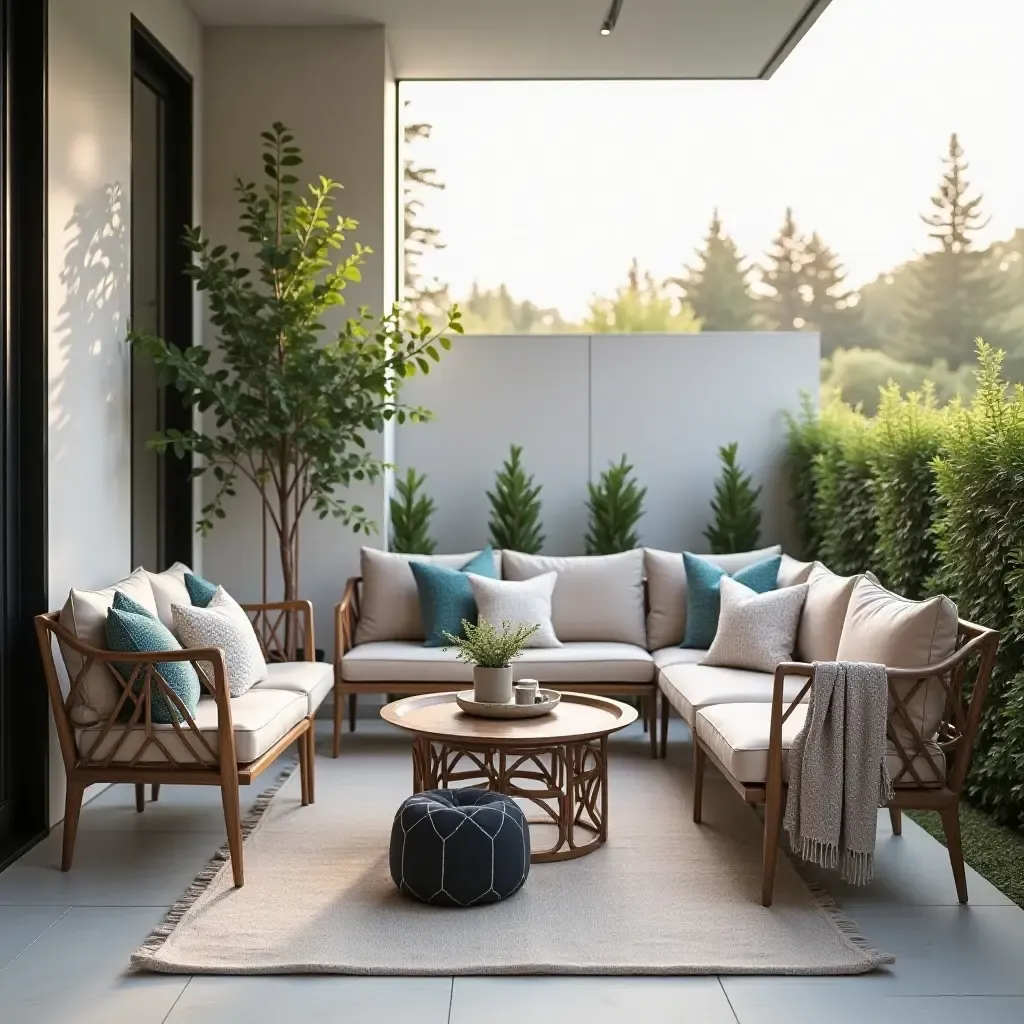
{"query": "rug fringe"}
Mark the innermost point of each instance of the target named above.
(847, 928)
(217, 863)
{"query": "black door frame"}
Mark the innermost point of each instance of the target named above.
(23, 338)
(154, 65)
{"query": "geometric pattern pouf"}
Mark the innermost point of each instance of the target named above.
(459, 847)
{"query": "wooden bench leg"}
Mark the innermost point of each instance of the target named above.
(896, 820)
(311, 783)
(140, 797)
(352, 702)
(651, 721)
(336, 742)
(665, 711)
(156, 791)
(699, 760)
(951, 826)
(304, 760)
(233, 823)
(72, 812)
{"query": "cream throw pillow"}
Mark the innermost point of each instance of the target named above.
(518, 602)
(821, 623)
(223, 623)
(755, 631)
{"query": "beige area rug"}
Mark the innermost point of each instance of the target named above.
(663, 896)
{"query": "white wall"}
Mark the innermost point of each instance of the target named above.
(334, 89)
(575, 403)
(89, 172)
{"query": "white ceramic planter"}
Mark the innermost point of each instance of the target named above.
(492, 685)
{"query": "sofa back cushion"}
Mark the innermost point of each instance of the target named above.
(883, 627)
(666, 589)
(85, 615)
(169, 589)
(597, 597)
(389, 607)
(821, 622)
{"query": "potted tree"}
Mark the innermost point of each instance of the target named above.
(491, 652)
(288, 401)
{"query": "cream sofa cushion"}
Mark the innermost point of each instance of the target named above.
(597, 597)
(888, 629)
(688, 688)
(313, 679)
(821, 622)
(665, 657)
(169, 589)
(389, 604)
(259, 719)
(568, 665)
(85, 615)
(738, 735)
(519, 603)
(792, 572)
(666, 589)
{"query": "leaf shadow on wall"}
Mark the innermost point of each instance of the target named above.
(90, 371)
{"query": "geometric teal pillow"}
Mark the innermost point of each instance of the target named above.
(128, 631)
(200, 591)
(703, 600)
(123, 603)
(446, 596)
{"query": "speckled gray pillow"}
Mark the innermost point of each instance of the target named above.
(223, 623)
(756, 631)
(519, 602)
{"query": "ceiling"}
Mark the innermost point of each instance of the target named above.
(494, 39)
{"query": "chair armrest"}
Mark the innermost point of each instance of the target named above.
(286, 612)
(346, 613)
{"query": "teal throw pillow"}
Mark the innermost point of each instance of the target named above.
(703, 599)
(128, 631)
(446, 597)
(124, 603)
(200, 591)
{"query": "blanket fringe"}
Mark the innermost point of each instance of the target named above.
(217, 863)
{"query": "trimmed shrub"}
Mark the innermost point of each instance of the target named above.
(515, 507)
(806, 440)
(908, 436)
(736, 525)
(980, 531)
(845, 516)
(411, 512)
(615, 505)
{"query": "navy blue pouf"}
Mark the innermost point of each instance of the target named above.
(459, 847)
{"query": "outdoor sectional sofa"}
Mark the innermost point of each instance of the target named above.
(622, 618)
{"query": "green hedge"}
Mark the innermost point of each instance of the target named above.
(933, 500)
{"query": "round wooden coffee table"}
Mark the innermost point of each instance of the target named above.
(558, 762)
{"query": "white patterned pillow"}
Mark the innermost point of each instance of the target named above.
(223, 623)
(756, 631)
(519, 602)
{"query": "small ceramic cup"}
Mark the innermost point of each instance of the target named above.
(526, 691)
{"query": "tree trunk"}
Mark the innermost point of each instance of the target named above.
(289, 574)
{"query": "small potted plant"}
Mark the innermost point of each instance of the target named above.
(491, 651)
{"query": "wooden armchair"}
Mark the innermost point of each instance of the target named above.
(964, 677)
(217, 746)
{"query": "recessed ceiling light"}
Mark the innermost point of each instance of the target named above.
(608, 25)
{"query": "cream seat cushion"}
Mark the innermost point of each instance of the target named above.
(597, 597)
(688, 688)
(893, 631)
(737, 735)
(571, 663)
(259, 719)
(313, 679)
(85, 615)
(666, 657)
(666, 589)
(389, 605)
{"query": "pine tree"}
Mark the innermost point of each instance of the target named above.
(640, 306)
(784, 306)
(428, 298)
(411, 511)
(616, 505)
(831, 308)
(717, 289)
(959, 293)
(515, 507)
(737, 522)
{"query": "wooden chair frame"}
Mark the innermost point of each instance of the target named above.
(210, 765)
(976, 645)
(346, 615)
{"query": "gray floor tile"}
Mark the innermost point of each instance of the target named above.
(313, 1000)
(21, 926)
(594, 1000)
(75, 972)
(126, 868)
(814, 1005)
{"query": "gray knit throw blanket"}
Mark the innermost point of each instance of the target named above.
(837, 772)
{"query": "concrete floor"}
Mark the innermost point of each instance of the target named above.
(65, 940)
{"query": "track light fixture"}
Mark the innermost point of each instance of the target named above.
(608, 25)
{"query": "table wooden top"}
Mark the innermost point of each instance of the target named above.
(578, 716)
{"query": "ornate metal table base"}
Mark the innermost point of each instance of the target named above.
(568, 782)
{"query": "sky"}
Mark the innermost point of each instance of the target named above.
(553, 187)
